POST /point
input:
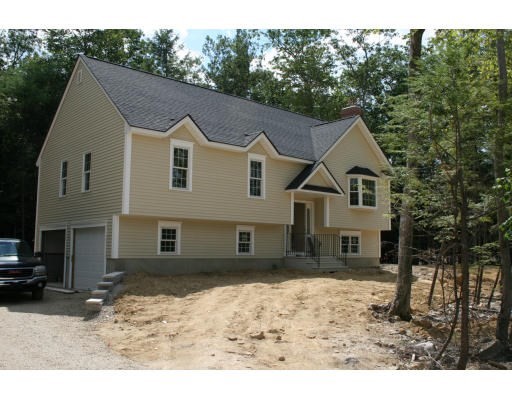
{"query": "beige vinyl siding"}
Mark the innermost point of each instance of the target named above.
(319, 180)
(219, 183)
(138, 238)
(351, 151)
(86, 122)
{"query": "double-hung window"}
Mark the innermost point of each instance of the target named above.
(63, 189)
(363, 192)
(244, 240)
(181, 165)
(256, 176)
(86, 172)
(351, 243)
(169, 238)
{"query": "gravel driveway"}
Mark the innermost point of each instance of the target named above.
(55, 333)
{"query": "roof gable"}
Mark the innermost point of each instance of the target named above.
(301, 181)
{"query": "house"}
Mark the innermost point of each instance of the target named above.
(144, 173)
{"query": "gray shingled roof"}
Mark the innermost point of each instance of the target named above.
(157, 103)
(325, 135)
(357, 170)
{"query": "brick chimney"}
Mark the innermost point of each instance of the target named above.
(351, 111)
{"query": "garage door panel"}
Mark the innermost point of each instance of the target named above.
(89, 254)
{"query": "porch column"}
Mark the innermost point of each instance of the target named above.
(326, 212)
(292, 202)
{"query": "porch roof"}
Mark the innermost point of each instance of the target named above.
(300, 182)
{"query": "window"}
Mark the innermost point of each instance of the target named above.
(351, 243)
(79, 76)
(354, 191)
(256, 176)
(181, 165)
(169, 238)
(363, 192)
(369, 193)
(86, 173)
(244, 240)
(63, 178)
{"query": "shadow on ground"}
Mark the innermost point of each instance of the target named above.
(53, 303)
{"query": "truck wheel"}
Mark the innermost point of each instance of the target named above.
(37, 294)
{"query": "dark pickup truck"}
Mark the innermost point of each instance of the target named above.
(19, 270)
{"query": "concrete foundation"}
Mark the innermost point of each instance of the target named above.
(179, 266)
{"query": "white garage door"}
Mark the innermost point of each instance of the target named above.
(89, 255)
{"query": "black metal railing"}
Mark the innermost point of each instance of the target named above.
(315, 246)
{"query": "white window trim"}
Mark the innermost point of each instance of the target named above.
(84, 172)
(175, 143)
(261, 158)
(351, 234)
(360, 191)
(170, 225)
(61, 178)
(245, 228)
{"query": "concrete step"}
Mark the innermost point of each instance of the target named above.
(99, 294)
(105, 285)
(93, 304)
(114, 277)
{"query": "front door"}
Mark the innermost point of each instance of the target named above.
(302, 228)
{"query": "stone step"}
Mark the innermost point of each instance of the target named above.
(114, 277)
(99, 294)
(105, 285)
(93, 304)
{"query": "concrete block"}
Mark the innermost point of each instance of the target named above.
(93, 304)
(114, 277)
(99, 294)
(105, 285)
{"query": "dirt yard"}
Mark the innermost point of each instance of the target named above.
(270, 320)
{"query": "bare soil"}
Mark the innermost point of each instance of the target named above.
(277, 320)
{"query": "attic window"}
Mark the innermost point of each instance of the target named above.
(79, 76)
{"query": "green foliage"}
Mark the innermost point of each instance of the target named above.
(230, 59)
(450, 109)
(163, 57)
(372, 70)
(503, 188)
(305, 66)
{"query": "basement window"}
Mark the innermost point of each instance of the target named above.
(169, 238)
(244, 240)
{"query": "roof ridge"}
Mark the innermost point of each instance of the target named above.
(336, 120)
(205, 88)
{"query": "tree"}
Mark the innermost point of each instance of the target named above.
(503, 321)
(305, 66)
(230, 59)
(15, 45)
(401, 305)
(372, 70)
(120, 46)
(164, 57)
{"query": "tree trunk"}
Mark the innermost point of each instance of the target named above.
(401, 305)
(464, 298)
(502, 215)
